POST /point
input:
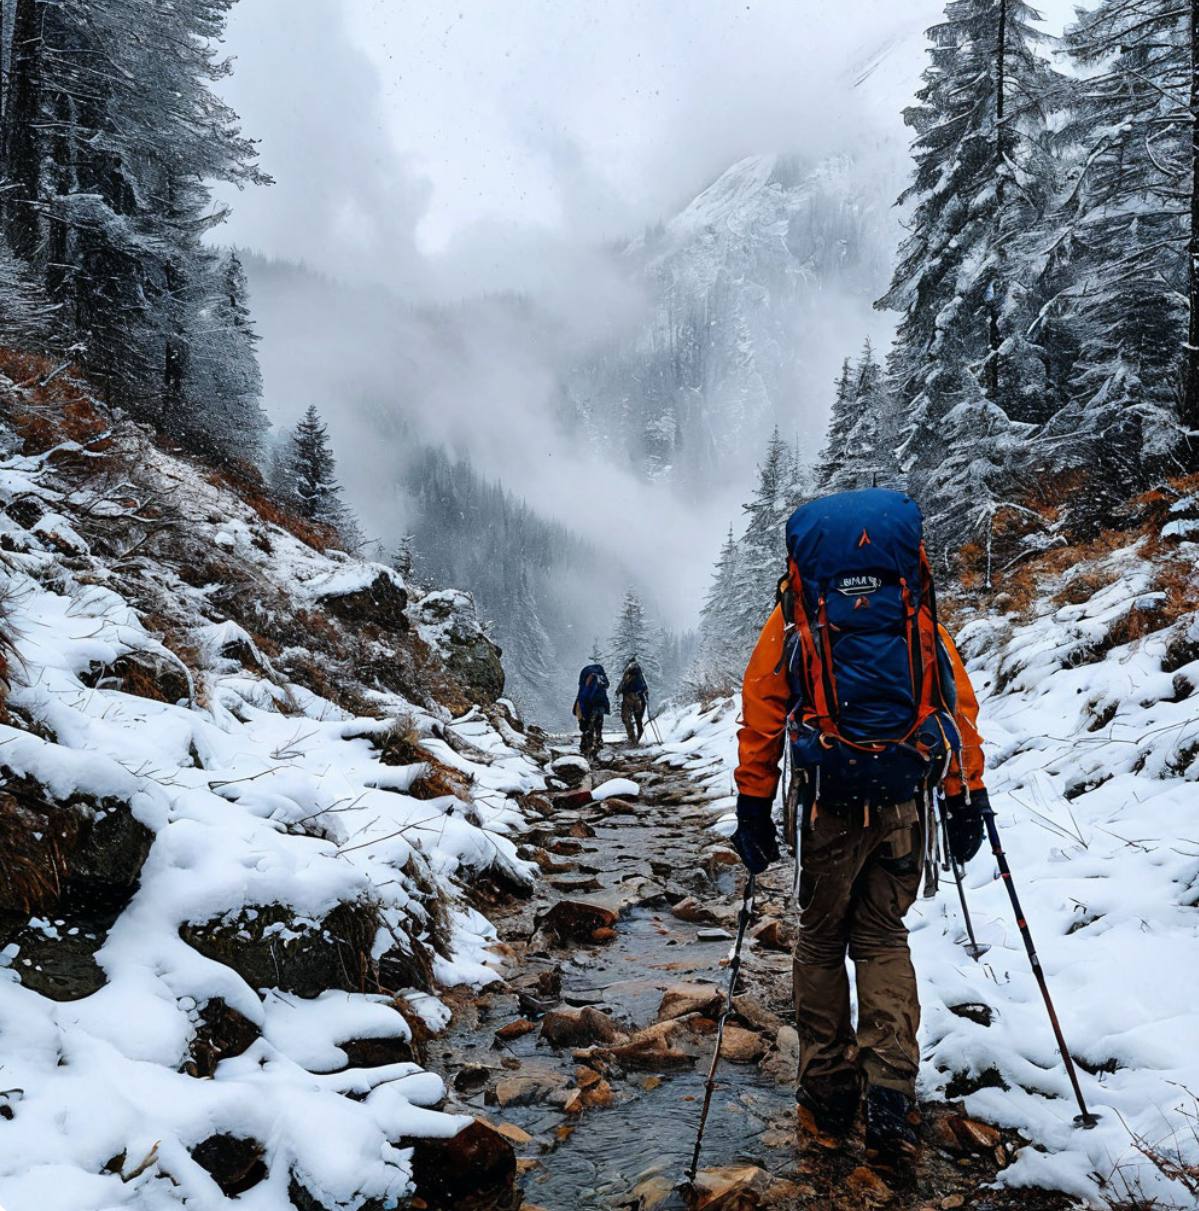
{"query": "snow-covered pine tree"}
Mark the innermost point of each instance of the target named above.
(222, 384)
(980, 185)
(632, 636)
(1133, 219)
(313, 477)
(720, 658)
(110, 143)
(863, 430)
(761, 558)
(529, 658)
(841, 421)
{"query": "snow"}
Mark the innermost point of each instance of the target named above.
(1091, 770)
(624, 788)
(250, 809)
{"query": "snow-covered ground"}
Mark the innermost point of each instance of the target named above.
(262, 797)
(1093, 757)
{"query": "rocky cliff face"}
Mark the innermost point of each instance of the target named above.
(247, 784)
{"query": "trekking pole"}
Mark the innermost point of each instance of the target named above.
(973, 948)
(747, 908)
(1085, 1118)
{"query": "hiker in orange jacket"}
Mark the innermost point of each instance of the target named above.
(861, 867)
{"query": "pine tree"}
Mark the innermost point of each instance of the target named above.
(312, 476)
(761, 558)
(841, 421)
(982, 180)
(720, 657)
(631, 637)
(863, 432)
(1133, 219)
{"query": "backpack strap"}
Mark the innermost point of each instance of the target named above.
(813, 671)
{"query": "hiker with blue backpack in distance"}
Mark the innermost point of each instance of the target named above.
(634, 699)
(855, 673)
(591, 705)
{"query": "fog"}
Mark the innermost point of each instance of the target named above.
(426, 154)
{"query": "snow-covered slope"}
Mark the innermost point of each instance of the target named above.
(1091, 722)
(238, 824)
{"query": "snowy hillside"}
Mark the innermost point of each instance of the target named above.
(752, 287)
(244, 796)
(1092, 734)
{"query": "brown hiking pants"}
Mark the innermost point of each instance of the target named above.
(857, 882)
(632, 715)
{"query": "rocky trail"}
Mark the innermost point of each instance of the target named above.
(590, 1058)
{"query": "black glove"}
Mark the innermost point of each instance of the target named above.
(964, 824)
(755, 838)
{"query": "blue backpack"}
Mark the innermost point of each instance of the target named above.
(593, 691)
(872, 715)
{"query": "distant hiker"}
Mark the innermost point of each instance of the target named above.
(634, 699)
(591, 706)
(855, 671)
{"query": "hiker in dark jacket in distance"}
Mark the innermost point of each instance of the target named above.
(854, 671)
(634, 700)
(591, 705)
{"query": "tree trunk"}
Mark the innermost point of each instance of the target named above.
(1189, 402)
(994, 335)
(21, 144)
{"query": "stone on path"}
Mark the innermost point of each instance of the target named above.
(570, 769)
(681, 999)
(579, 1028)
(741, 1046)
(868, 1188)
(714, 935)
(738, 1188)
(515, 1030)
(527, 1087)
(575, 920)
(623, 788)
(692, 911)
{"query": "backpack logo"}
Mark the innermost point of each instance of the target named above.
(862, 603)
(864, 541)
(858, 586)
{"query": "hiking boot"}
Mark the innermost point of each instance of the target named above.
(891, 1118)
(826, 1113)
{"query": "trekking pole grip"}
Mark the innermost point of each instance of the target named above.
(1085, 1118)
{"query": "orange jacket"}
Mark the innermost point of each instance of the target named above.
(766, 693)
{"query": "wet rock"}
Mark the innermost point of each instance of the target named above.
(692, 911)
(234, 1163)
(575, 920)
(755, 1014)
(969, 1135)
(681, 999)
(221, 1034)
(579, 1028)
(657, 1047)
(565, 847)
(510, 1131)
(58, 960)
(475, 1169)
(269, 948)
(619, 807)
(574, 884)
(603, 934)
(741, 1046)
(570, 801)
(571, 770)
(734, 1188)
(714, 934)
(515, 1030)
(527, 1087)
(381, 603)
(651, 1193)
(773, 935)
(548, 865)
(868, 1188)
(472, 1078)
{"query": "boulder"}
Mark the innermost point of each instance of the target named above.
(269, 948)
(515, 1030)
(773, 934)
(527, 1087)
(380, 602)
(681, 999)
(579, 1028)
(472, 1170)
